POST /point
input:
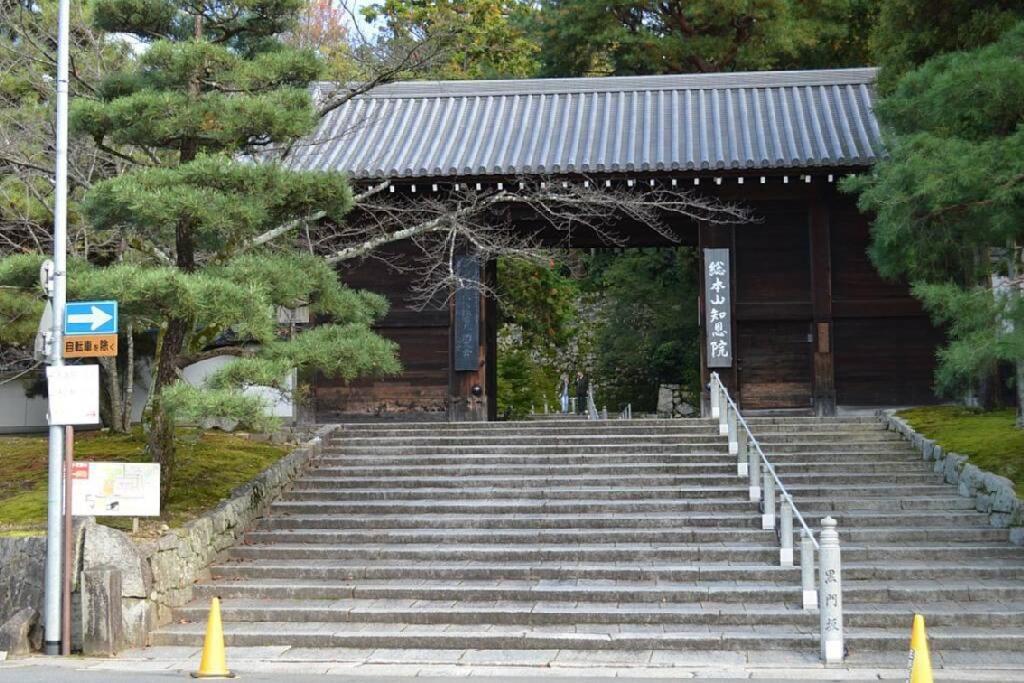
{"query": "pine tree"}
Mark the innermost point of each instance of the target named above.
(949, 204)
(212, 89)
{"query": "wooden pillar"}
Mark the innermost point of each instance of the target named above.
(491, 340)
(824, 388)
(709, 237)
(467, 349)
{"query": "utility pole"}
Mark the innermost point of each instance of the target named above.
(58, 295)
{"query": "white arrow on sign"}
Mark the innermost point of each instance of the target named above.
(96, 318)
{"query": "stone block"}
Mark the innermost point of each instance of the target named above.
(102, 621)
(106, 547)
(952, 466)
(21, 634)
(928, 449)
(1017, 535)
(138, 618)
(1004, 498)
(970, 481)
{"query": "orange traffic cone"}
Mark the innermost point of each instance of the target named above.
(214, 663)
(920, 661)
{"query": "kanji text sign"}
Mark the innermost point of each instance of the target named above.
(74, 393)
(718, 308)
(90, 317)
(90, 345)
(128, 489)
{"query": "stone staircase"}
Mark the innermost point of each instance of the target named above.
(624, 535)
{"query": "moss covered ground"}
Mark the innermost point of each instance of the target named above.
(989, 438)
(210, 465)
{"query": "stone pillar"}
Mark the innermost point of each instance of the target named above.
(786, 530)
(715, 391)
(102, 625)
(768, 509)
(733, 425)
(830, 588)
(741, 455)
(753, 470)
(810, 593)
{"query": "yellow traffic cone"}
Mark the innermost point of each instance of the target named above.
(214, 663)
(920, 661)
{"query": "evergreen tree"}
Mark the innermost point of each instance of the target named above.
(949, 203)
(212, 90)
(636, 37)
(910, 32)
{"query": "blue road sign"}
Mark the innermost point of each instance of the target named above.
(90, 317)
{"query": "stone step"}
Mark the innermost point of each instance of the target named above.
(611, 532)
(707, 447)
(599, 590)
(724, 468)
(818, 458)
(340, 505)
(738, 492)
(694, 435)
(340, 480)
(588, 521)
(344, 570)
(738, 551)
(996, 615)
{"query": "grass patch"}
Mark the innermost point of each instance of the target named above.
(210, 465)
(990, 439)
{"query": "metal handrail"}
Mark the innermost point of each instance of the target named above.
(764, 459)
(828, 552)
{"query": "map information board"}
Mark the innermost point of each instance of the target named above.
(123, 489)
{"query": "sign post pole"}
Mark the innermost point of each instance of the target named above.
(52, 592)
(69, 463)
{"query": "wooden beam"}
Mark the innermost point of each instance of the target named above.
(824, 380)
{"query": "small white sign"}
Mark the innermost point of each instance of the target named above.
(74, 394)
(123, 489)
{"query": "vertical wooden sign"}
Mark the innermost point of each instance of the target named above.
(718, 308)
(467, 315)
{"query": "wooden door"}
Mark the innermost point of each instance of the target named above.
(775, 361)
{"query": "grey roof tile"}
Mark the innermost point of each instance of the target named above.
(700, 122)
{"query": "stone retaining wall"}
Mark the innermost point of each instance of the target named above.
(157, 575)
(994, 495)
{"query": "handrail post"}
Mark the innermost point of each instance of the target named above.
(830, 586)
(807, 570)
(723, 418)
(743, 446)
(753, 471)
(786, 530)
(716, 395)
(734, 446)
(768, 511)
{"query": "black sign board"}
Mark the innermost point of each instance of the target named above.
(718, 308)
(467, 314)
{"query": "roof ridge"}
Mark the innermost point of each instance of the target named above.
(553, 86)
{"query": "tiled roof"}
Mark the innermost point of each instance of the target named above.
(728, 121)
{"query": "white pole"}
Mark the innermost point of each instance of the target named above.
(741, 455)
(768, 513)
(786, 531)
(810, 593)
(716, 395)
(830, 592)
(54, 524)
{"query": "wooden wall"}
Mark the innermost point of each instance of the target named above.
(422, 337)
(814, 324)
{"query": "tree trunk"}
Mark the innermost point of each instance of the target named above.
(161, 441)
(111, 409)
(129, 378)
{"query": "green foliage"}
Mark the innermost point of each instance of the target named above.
(910, 32)
(479, 38)
(988, 438)
(626, 37)
(538, 337)
(223, 202)
(950, 199)
(647, 333)
(192, 405)
(524, 384)
(210, 466)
